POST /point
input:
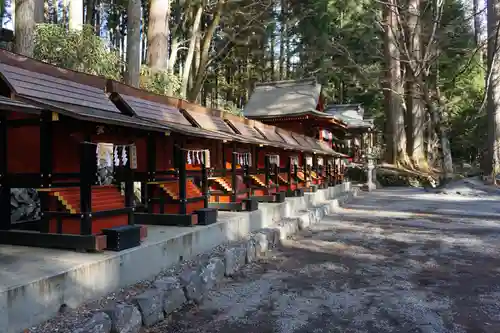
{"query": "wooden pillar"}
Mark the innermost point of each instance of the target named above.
(46, 157)
(182, 181)
(266, 170)
(129, 189)
(248, 181)
(335, 172)
(328, 172)
(277, 170)
(296, 172)
(224, 172)
(314, 166)
(5, 222)
(87, 174)
(151, 171)
(256, 152)
(204, 183)
(234, 180)
(289, 173)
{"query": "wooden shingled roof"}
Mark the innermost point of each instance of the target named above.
(283, 98)
(71, 94)
(287, 137)
(245, 129)
(157, 109)
(8, 104)
(269, 132)
(217, 120)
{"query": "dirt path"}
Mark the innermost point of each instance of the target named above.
(373, 268)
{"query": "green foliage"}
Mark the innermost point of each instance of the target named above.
(77, 50)
(160, 82)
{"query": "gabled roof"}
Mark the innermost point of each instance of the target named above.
(155, 112)
(351, 114)
(69, 98)
(283, 98)
(7, 104)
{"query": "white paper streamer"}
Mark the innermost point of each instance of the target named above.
(124, 156)
(97, 154)
(116, 158)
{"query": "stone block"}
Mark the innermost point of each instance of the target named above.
(251, 251)
(192, 284)
(98, 323)
(173, 294)
(261, 244)
(304, 221)
(150, 304)
(234, 258)
(125, 318)
(273, 236)
(213, 272)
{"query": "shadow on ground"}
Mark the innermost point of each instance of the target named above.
(362, 272)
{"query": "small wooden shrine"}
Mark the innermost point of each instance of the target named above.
(296, 105)
(356, 140)
(55, 150)
(299, 106)
(176, 166)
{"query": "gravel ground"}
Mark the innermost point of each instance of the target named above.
(368, 270)
(396, 260)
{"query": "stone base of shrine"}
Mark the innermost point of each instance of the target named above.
(35, 282)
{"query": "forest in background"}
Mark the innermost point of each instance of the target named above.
(425, 70)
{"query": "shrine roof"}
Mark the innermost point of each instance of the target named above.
(7, 104)
(283, 98)
(351, 114)
(158, 109)
(76, 95)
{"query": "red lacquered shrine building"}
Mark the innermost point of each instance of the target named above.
(298, 106)
(56, 151)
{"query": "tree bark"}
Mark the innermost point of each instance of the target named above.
(132, 73)
(415, 109)
(39, 11)
(157, 34)
(75, 14)
(477, 28)
(24, 27)
(283, 37)
(205, 50)
(89, 12)
(395, 136)
(195, 30)
(493, 97)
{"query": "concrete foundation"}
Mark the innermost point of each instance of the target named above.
(35, 282)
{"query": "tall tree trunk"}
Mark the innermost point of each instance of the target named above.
(414, 105)
(271, 51)
(195, 30)
(89, 12)
(133, 43)
(157, 34)
(493, 98)
(205, 51)
(75, 14)
(24, 27)
(477, 27)
(39, 11)
(283, 37)
(395, 136)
